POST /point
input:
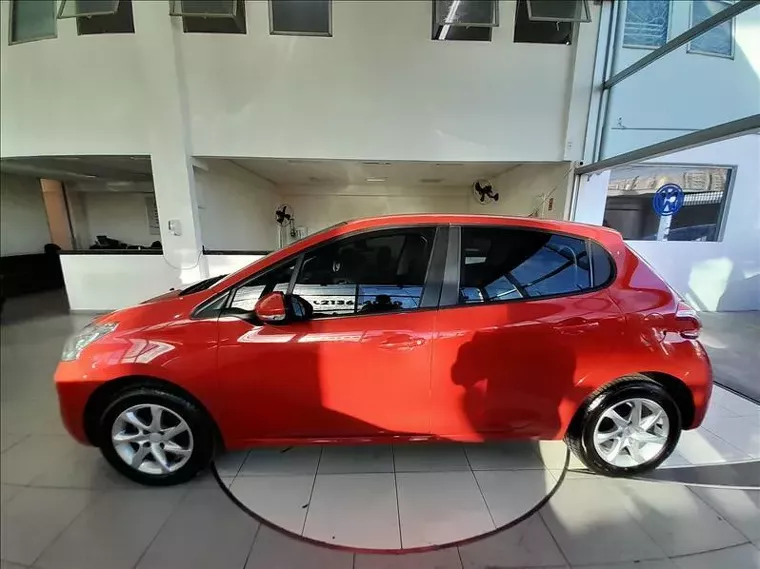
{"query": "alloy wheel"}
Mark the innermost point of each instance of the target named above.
(152, 439)
(632, 432)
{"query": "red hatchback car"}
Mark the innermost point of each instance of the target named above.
(401, 328)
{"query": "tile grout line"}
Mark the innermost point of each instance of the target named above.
(477, 483)
(721, 516)
(163, 525)
(461, 561)
(395, 488)
(21, 440)
(749, 456)
(99, 496)
(549, 531)
(253, 544)
(313, 484)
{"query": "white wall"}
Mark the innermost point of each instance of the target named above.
(23, 221)
(380, 88)
(236, 208)
(317, 207)
(682, 91)
(525, 188)
(71, 95)
(118, 215)
(226, 264)
(722, 275)
(109, 282)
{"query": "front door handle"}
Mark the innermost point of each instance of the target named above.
(401, 341)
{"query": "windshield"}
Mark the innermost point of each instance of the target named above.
(231, 276)
(202, 285)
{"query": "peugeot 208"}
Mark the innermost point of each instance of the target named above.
(402, 328)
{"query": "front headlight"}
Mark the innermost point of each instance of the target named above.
(79, 341)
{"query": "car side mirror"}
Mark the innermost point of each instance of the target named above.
(279, 308)
(271, 308)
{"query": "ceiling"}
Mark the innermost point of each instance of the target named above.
(292, 172)
(81, 168)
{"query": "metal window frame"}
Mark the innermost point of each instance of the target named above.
(64, 3)
(680, 40)
(725, 202)
(690, 49)
(12, 41)
(647, 47)
(584, 20)
(724, 131)
(328, 34)
(181, 13)
(442, 21)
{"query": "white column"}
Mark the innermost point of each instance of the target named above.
(168, 123)
(591, 198)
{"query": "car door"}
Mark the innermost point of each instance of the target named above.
(522, 316)
(360, 365)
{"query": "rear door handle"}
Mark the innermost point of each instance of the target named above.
(576, 325)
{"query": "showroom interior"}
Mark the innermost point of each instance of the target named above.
(146, 146)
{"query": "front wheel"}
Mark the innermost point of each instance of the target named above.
(628, 428)
(155, 437)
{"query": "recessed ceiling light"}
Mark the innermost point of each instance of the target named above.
(376, 179)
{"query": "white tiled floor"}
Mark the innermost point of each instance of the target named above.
(409, 496)
(354, 496)
(354, 510)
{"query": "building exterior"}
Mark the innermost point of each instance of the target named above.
(192, 131)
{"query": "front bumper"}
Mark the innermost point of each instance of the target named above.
(74, 391)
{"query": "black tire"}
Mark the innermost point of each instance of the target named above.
(580, 436)
(199, 423)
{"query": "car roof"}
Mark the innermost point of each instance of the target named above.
(401, 220)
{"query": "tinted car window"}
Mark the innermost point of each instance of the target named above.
(509, 264)
(248, 294)
(601, 264)
(367, 274)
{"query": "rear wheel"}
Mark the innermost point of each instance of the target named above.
(628, 428)
(155, 437)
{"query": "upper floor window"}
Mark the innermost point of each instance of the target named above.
(300, 17)
(501, 264)
(464, 20)
(529, 30)
(99, 16)
(646, 23)
(720, 39)
(382, 272)
(211, 17)
(32, 20)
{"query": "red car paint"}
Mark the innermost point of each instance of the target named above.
(468, 372)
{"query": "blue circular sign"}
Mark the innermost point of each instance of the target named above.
(668, 200)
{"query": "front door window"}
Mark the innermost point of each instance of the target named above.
(382, 272)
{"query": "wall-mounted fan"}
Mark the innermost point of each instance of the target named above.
(482, 191)
(284, 215)
(286, 223)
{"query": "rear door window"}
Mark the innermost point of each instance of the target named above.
(501, 264)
